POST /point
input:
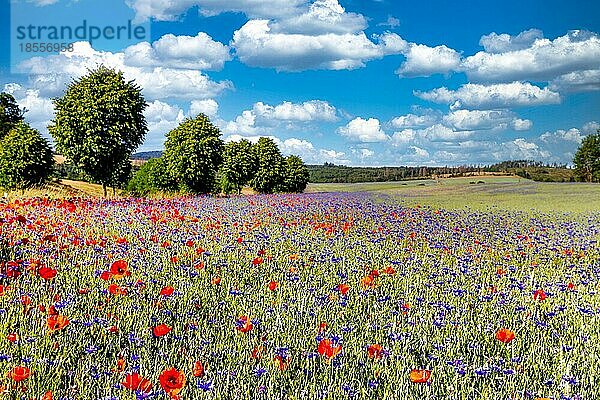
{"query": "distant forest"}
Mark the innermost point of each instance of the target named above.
(331, 173)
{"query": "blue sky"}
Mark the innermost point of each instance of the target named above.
(369, 82)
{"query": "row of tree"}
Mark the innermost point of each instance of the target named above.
(99, 122)
(196, 160)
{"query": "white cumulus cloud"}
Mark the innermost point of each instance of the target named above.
(501, 95)
(364, 130)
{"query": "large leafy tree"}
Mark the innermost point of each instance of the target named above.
(193, 153)
(239, 164)
(99, 122)
(270, 168)
(10, 113)
(25, 158)
(296, 175)
(587, 159)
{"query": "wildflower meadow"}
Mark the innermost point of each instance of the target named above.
(311, 296)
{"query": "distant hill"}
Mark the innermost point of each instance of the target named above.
(146, 155)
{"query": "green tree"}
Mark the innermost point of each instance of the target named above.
(99, 122)
(270, 169)
(152, 177)
(10, 113)
(239, 165)
(296, 175)
(587, 159)
(193, 153)
(26, 158)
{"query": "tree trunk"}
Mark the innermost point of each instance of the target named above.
(104, 188)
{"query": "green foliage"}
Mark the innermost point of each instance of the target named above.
(25, 158)
(296, 175)
(151, 178)
(587, 159)
(10, 113)
(239, 165)
(270, 171)
(193, 153)
(99, 122)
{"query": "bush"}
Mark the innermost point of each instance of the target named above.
(25, 158)
(151, 178)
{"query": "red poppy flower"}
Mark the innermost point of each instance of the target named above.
(47, 273)
(134, 381)
(19, 373)
(216, 280)
(420, 375)
(273, 286)
(243, 324)
(105, 275)
(539, 295)
(161, 330)
(505, 335)
(198, 369)
(47, 395)
(172, 381)
(257, 261)
(83, 290)
(375, 351)
(368, 281)
(167, 291)
(118, 269)
(571, 286)
(57, 322)
(389, 270)
(327, 349)
(343, 288)
(116, 290)
(12, 337)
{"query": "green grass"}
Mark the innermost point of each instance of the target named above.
(501, 193)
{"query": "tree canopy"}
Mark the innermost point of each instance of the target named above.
(99, 122)
(587, 159)
(239, 164)
(270, 169)
(26, 158)
(193, 153)
(10, 113)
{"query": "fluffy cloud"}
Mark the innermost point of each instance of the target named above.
(503, 43)
(264, 117)
(485, 119)
(257, 45)
(434, 133)
(189, 52)
(501, 95)
(362, 130)
(156, 82)
(414, 121)
(578, 81)
(208, 107)
(314, 110)
(168, 10)
(322, 17)
(542, 60)
(422, 60)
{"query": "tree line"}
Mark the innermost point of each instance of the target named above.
(99, 122)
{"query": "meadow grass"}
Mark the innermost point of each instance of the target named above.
(497, 193)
